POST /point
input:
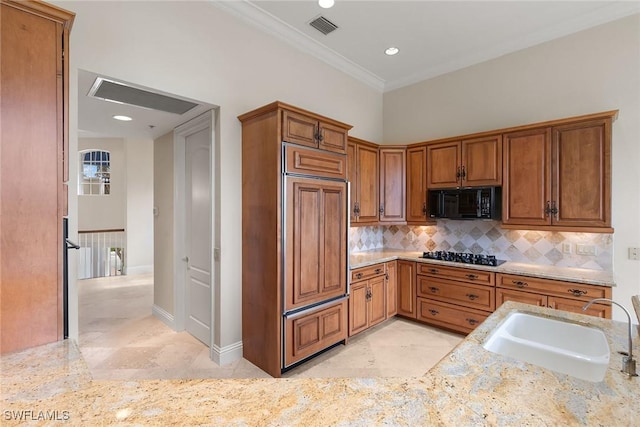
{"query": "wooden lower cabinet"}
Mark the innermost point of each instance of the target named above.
(307, 333)
(449, 316)
(561, 295)
(391, 276)
(473, 296)
(407, 289)
(368, 298)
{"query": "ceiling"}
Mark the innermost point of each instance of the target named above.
(434, 38)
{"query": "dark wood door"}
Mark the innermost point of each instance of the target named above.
(392, 288)
(332, 138)
(526, 191)
(417, 185)
(358, 307)
(582, 174)
(352, 177)
(316, 241)
(482, 161)
(443, 165)
(299, 129)
(367, 184)
(377, 297)
(392, 185)
(32, 172)
(407, 288)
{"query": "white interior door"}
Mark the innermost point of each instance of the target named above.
(198, 234)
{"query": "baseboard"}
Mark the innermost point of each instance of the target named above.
(227, 354)
(166, 317)
(140, 269)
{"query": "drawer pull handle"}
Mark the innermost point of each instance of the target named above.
(434, 289)
(358, 275)
(520, 283)
(472, 276)
(433, 312)
(577, 292)
(433, 270)
(378, 270)
(472, 321)
(472, 296)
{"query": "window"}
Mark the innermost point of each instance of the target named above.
(94, 173)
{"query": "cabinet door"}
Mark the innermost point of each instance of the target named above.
(407, 288)
(299, 129)
(504, 295)
(392, 288)
(377, 297)
(417, 185)
(316, 241)
(352, 177)
(582, 174)
(367, 184)
(358, 312)
(482, 161)
(392, 185)
(526, 190)
(332, 138)
(443, 165)
(575, 306)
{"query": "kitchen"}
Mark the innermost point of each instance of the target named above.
(538, 88)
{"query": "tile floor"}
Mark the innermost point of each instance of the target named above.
(121, 339)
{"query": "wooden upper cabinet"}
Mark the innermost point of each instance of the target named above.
(363, 174)
(473, 162)
(314, 131)
(559, 176)
(392, 185)
(443, 165)
(417, 210)
(581, 155)
(527, 184)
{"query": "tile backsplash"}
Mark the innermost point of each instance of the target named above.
(486, 237)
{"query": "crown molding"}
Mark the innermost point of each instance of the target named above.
(257, 17)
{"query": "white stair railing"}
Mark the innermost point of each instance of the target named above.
(102, 253)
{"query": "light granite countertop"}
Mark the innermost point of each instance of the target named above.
(468, 387)
(578, 275)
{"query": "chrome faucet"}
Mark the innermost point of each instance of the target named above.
(628, 364)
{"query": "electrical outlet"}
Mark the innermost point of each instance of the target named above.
(586, 250)
(566, 248)
(634, 254)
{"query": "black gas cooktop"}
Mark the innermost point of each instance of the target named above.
(464, 258)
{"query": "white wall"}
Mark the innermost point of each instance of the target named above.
(587, 72)
(107, 211)
(195, 50)
(139, 205)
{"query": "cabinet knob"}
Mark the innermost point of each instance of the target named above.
(554, 209)
(378, 270)
(520, 283)
(577, 292)
(381, 210)
(433, 270)
(472, 276)
(433, 312)
(472, 321)
(358, 275)
(434, 289)
(547, 209)
(424, 209)
(464, 173)
(458, 174)
(472, 296)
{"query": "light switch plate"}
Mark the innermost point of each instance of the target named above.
(634, 254)
(586, 250)
(566, 248)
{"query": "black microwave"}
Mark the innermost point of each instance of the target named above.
(466, 203)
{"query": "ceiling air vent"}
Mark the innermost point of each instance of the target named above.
(323, 25)
(110, 90)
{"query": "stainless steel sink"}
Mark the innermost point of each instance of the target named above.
(556, 344)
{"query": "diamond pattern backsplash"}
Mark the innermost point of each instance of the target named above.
(486, 237)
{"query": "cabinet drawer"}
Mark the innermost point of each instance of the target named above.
(575, 306)
(553, 287)
(309, 332)
(449, 315)
(462, 274)
(468, 295)
(367, 272)
(315, 162)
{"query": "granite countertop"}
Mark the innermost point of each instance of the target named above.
(468, 387)
(578, 275)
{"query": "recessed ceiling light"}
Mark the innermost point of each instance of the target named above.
(391, 51)
(123, 118)
(326, 4)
